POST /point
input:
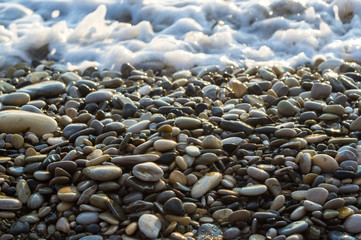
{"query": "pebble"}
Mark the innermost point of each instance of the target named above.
(148, 171)
(68, 194)
(327, 163)
(352, 223)
(320, 90)
(87, 218)
(9, 203)
(211, 142)
(253, 190)
(257, 173)
(44, 89)
(206, 183)
(187, 123)
(15, 121)
(317, 195)
(102, 172)
(174, 206)
(63, 225)
(294, 228)
(164, 145)
(149, 225)
(16, 99)
(285, 108)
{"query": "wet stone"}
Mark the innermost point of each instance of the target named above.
(9, 203)
(102, 172)
(148, 171)
(34, 122)
(44, 89)
(293, 228)
(208, 231)
(19, 228)
(174, 206)
(149, 225)
(206, 183)
(352, 223)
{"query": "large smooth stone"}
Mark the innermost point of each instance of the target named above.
(285, 108)
(206, 183)
(9, 203)
(15, 121)
(187, 123)
(17, 99)
(317, 195)
(149, 225)
(148, 171)
(98, 96)
(294, 228)
(352, 223)
(164, 145)
(134, 159)
(87, 218)
(327, 163)
(320, 90)
(44, 89)
(356, 125)
(102, 172)
(68, 194)
(253, 190)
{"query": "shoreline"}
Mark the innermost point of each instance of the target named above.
(261, 153)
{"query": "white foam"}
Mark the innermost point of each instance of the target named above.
(178, 34)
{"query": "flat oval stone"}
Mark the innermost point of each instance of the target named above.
(22, 191)
(17, 99)
(254, 190)
(206, 183)
(257, 173)
(285, 108)
(44, 89)
(285, 132)
(320, 90)
(187, 123)
(149, 225)
(35, 200)
(317, 195)
(73, 128)
(87, 218)
(315, 138)
(352, 223)
(222, 214)
(211, 142)
(356, 125)
(327, 163)
(174, 206)
(69, 166)
(193, 151)
(15, 121)
(102, 172)
(138, 127)
(293, 228)
(9, 203)
(134, 159)
(68, 194)
(164, 145)
(98, 96)
(239, 215)
(148, 171)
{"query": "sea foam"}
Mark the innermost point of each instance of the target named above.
(178, 34)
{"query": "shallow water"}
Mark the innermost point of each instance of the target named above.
(178, 34)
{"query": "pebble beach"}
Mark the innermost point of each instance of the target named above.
(208, 149)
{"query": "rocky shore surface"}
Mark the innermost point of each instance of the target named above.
(206, 153)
